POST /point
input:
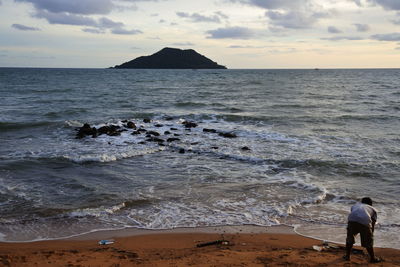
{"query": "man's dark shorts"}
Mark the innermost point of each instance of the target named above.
(355, 228)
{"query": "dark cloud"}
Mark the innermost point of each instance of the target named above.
(272, 4)
(93, 30)
(24, 28)
(66, 18)
(125, 32)
(343, 38)
(289, 14)
(196, 17)
(389, 37)
(293, 19)
(96, 26)
(109, 24)
(362, 27)
(82, 7)
(231, 33)
(333, 29)
(387, 4)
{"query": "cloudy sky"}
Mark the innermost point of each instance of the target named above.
(235, 33)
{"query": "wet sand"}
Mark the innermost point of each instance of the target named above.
(242, 246)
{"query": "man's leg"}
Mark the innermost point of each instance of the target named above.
(349, 246)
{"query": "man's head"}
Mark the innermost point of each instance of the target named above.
(366, 200)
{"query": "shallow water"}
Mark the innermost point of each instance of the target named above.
(318, 140)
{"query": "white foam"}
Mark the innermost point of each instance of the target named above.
(73, 123)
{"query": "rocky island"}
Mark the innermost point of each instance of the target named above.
(171, 58)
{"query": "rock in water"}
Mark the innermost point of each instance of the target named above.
(86, 130)
(171, 58)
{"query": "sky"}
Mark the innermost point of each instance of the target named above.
(240, 34)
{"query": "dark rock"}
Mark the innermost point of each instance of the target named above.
(167, 132)
(146, 120)
(124, 121)
(177, 135)
(136, 132)
(131, 125)
(113, 130)
(94, 132)
(171, 58)
(182, 151)
(173, 129)
(228, 135)
(155, 139)
(190, 124)
(142, 130)
(142, 142)
(246, 148)
(158, 125)
(86, 130)
(214, 147)
(209, 130)
(168, 118)
(103, 130)
(173, 139)
(115, 133)
(153, 133)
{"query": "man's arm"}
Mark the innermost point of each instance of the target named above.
(373, 221)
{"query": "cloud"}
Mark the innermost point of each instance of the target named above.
(184, 44)
(92, 30)
(65, 18)
(293, 19)
(97, 26)
(231, 33)
(125, 32)
(222, 15)
(82, 7)
(196, 17)
(107, 23)
(388, 37)
(333, 29)
(343, 38)
(289, 14)
(387, 4)
(272, 4)
(245, 46)
(24, 28)
(362, 27)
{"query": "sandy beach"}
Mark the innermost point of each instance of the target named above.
(242, 246)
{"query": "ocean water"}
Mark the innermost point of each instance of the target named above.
(317, 141)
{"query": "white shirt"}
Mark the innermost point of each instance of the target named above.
(363, 213)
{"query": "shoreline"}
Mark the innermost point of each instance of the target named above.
(246, 245)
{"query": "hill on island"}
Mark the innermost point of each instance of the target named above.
(171, 58)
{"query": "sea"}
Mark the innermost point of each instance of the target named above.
(270, 147)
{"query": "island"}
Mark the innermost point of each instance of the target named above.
(171, 58)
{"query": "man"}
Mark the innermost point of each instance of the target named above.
(361, 220)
